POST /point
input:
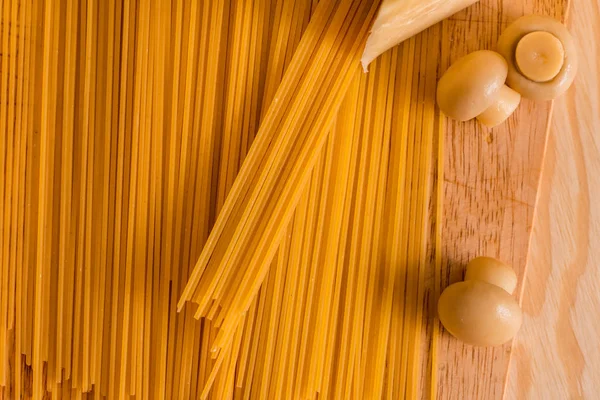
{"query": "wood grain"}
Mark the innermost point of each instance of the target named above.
(557, 353)
(491, 181)
(490, 190)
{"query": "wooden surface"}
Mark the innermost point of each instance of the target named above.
(490, 188)
(557, 353)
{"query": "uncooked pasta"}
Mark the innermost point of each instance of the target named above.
(211, 200)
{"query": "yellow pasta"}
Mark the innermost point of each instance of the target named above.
(138, 137)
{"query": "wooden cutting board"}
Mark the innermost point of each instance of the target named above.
(491, 180)
(490, 187)
(561, 300)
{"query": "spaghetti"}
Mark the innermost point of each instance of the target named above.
(131, 129)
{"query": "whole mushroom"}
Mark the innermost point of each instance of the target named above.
(541, 55)
(481, 310)
(473, 87)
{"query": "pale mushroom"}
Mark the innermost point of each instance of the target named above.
(541, 55)
(479, 311)
(491, 270)
(474, 87)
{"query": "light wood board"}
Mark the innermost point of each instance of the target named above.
(557, 353)
(490, 187)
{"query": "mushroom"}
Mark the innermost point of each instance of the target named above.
(541, 55)
(481, 311)
(491, 270)
(474, 87)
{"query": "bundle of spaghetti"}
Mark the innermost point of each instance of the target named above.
(242, 100)
(275, 143)
(124, 129)
(406, 347)
(437, 257)
(373, 99)
(286, 33)
(240, 118)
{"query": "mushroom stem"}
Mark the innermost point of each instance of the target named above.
(540, 56)
(505, 104)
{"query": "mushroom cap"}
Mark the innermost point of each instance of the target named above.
(507, 46)
(491, 270)
(479, 313)
(471, 84)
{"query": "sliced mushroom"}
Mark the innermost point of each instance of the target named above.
(541, 55)
(474, 87)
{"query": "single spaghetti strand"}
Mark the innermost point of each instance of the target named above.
(45, 144)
